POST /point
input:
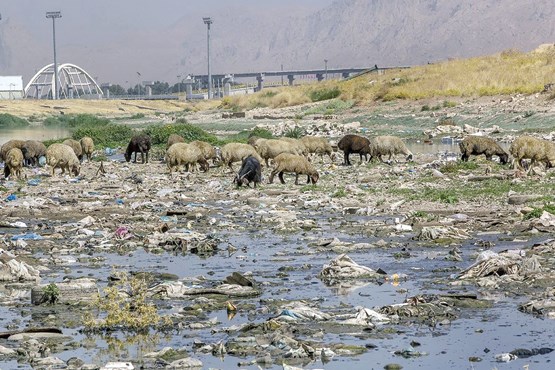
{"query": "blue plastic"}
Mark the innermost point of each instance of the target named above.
(11, 197)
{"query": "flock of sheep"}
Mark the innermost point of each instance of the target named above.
(288, 155)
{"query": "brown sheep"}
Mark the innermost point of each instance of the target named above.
(477, 145)
(354, 144)
(297, 164)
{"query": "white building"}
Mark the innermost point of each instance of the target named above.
(11, 87)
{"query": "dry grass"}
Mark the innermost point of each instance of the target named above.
(111, 108)
(508, 72)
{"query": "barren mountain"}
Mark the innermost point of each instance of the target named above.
(347, 33)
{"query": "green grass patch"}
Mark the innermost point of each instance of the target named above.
(538, 211)
(10, 121)
(111, 135)
(159, 133)
(456, 166)
(76, 121)
(320, 94)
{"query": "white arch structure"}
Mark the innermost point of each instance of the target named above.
(73, 82)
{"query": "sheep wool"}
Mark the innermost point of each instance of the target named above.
(14, 163)
(478, 145)
(388, 145)
(292, 163)
(87, 146)
(63, 156)
(235, 152)
(537, 150)
(184, 154)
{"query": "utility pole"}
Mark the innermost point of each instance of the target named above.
(208, 22)
(54, 15)
(178, 85)
(282, 75)
(326, 68)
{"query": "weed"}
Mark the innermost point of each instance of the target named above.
(111, 135)
(295, 132)
(425, 108)
(339, 193)
(137, 116)
(449, 104)
(159, 133)
(447, 197)
(307, 188)
(325, 93)
(130, 311)
(456, 166)
(538, 211)
(7, 121)
(51, 294)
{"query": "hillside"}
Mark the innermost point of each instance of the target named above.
(347, 33)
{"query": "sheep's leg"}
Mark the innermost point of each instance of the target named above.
(346, 158)
(271, 179)
(147, 156)
(281, 177)
(296, 178)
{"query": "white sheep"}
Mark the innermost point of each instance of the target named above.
(9, 145)
(207, 149)
(318, 145)
(14, 163)
(388, 145)
(297, 164)
(537, 150)
(477, 145)
(63, 156)
(87, 146)
(298, 143)
(76, 147)
(184, 154)
(174, 138)
(236, 152)
(271, 148)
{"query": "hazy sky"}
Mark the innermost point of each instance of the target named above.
(100, 35)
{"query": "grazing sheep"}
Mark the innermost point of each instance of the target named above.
(298, 143)
(271, 148)
(477, 145)
(354, 144)
(318, 145)
(250, 171)
(286, 162)
(174, 138)
(32, 150)
(14, 163)
(235, 152)
(388, 145)
(87, 146)
(138, 144)
(537, 150)
(208, 151)
(63, 156)
(76, 147)
(9, 145)
(184, 154)
(253, 139)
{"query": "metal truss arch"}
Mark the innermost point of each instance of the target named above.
(73, 82)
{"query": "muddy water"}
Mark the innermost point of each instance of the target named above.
(40, 133)
(477, 332)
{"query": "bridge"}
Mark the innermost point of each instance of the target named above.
(320, 74)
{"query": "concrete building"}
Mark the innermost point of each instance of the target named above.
(11, 87)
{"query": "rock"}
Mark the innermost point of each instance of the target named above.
(522, 199)
(74, 291)
(185, 363)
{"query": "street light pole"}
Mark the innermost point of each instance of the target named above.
(208, 22)
(54, 15)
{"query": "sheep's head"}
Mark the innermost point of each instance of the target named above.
(127, 156)
(314, 177)
(203, 165)
(504, 158)
(75, 169)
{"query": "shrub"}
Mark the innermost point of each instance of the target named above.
(159, 133)
(7, 120)
(324, 94)
(295, 132)
(51, 293)
(111, 135)
(129, 311)
(76, 121)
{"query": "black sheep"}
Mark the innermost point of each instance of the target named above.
(138, 144)
(354, 144)
(250, 171)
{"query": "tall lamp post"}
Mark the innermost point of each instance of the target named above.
(208, 22)
(326, 68)
(54, 15)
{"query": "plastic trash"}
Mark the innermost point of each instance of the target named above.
(11, 197)
(27, 236)
(119, 201)
(18, 224)
(42, 161)
(33, 182)
(110, 151)
(118, 366)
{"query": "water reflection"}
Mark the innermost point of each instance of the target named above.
(40, 133)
